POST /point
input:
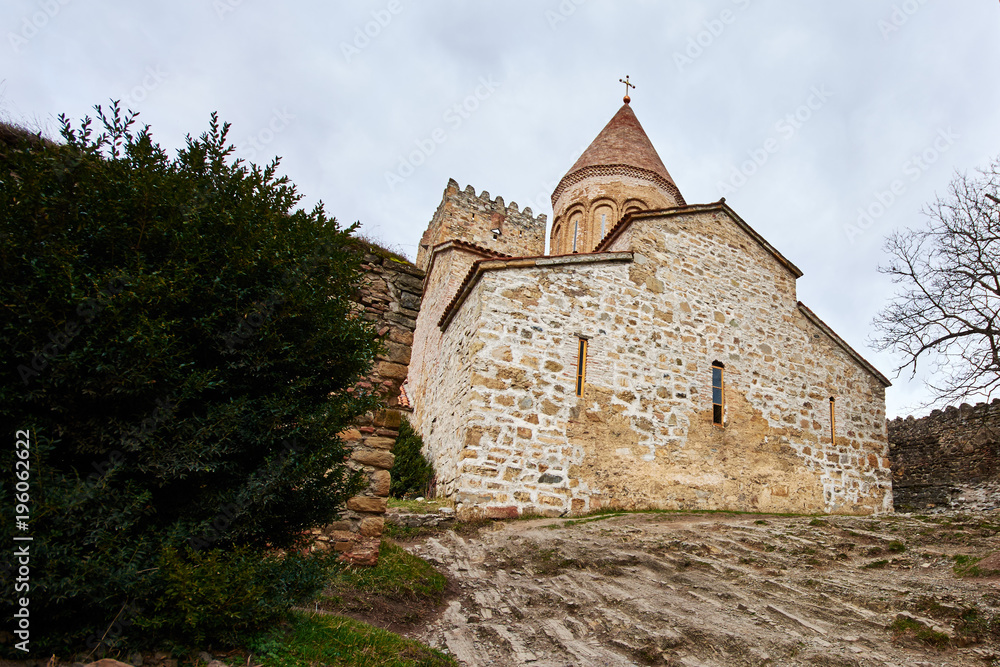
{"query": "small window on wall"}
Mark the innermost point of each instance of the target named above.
(718, 392)
(833, 421)
(581, 367)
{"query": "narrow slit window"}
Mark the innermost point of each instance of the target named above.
(581, 367)
(833, 421)
(718, 392)
(576, 229)
(603, 218)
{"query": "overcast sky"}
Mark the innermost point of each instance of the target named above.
(802, 114)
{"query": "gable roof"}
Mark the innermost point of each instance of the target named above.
(720, 206)
(851, 352)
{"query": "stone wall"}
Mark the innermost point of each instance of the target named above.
(390, 298)
(465, 216)
(948, 459)
(508, 434)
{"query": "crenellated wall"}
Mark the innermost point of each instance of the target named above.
(950, 458)
(465, 216)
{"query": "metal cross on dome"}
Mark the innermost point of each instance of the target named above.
(628, 85)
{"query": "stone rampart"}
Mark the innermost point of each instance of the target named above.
(390, 298)
(465, 216)
(948, 459)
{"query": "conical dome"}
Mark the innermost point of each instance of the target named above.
(620, 172)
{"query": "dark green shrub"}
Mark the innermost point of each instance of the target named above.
(227, 595)
(411, 473)
(183, 347)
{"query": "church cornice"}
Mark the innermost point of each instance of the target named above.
(626, 170)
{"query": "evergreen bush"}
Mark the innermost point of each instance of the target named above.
(182, 346)
(411, 473)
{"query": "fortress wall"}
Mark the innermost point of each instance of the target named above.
(391, 299)
(950, 458)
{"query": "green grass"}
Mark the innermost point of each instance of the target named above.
(426, 506)
(398, 574)
(896, 547)
(876, 565)
(967, 566)
(903, 625)
(315, 640)
(587, 519)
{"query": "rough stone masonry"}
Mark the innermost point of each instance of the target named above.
(659, 359)
(390, 298)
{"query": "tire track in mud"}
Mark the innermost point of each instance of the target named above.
(712, 590)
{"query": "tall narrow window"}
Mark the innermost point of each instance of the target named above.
(603, 218)
(718, 392)
(833, 421)
(581, 367)
(576, 227)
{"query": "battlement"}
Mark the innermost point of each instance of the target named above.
(489, 223)
(950, 458)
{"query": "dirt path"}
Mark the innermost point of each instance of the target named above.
(713, 590)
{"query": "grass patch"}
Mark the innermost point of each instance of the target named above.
(399, 533)
(426, 506)
(895, 547)
(903, 625)
(589, 519)
(876, 565)
(394, 594)
(309, 640)
(398, 574)
(968, 566)
(819, 523)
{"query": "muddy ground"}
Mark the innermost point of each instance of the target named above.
(718, 589)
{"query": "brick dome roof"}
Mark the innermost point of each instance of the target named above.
(622, 146)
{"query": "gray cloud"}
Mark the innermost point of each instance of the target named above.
(361, 85)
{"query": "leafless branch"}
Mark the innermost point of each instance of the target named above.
(946, 314)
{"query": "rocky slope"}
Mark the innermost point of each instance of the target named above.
(719, 589)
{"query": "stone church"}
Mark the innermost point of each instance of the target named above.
(656, 357)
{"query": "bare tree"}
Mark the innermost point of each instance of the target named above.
(947, 312)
